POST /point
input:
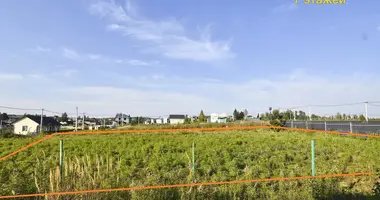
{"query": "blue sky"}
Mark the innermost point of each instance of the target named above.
(159, 57)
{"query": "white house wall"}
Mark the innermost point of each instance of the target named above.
(214, 118)
(32, 126)
(177, 121)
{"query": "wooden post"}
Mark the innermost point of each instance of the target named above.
(193, 160)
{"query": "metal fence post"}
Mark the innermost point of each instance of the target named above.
(312, 158)
(351, 127)
(325, 127)
(292, 124)
(193, 158)
(61, 159)
(307, 125)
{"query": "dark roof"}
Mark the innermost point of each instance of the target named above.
(176, 116)
(121, 115)
(45, 120)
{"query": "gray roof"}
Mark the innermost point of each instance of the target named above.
(45, 120)
(176, 116)
(121, 115)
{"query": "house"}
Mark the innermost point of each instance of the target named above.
(214, 117)
(218, 118)
(177, 119)
(121, 118)
(194, 118)
(160, 121)
(30, 124)
(208, 118)
(156, 120)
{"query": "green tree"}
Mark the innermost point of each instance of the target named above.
(314, 117)
(241, 115)
(187, 120)
(236, 115)
(338, 116)
(4, 116)
(245, 114)
(258, 116)
(201, 117)
(64, 117)
(362, 118)
(276, 114)
(302, 115)
(288, 115)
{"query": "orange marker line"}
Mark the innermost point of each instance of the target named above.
(184, 185)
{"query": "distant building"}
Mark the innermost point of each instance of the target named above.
(177, 119)
(30, 124)
(208, 118)
(121, 118)
(160, 121)
(218, 118)
(156, 120)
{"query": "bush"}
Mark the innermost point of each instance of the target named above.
(6, 133)
(277, 122)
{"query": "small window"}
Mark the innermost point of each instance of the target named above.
(24, 128)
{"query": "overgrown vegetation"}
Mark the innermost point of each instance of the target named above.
(131, 160)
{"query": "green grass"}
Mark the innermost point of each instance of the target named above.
(131, 160)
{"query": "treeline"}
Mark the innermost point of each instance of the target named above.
(301, 115)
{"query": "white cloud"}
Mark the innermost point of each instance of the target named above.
(71, 54)
(35, 76)
(10, 77)
(378, 28)
(67, 73)
(40, 49)
(94, 56)
(76, 56)
(161, 94)
(167, 36)
(142, 63)
(286, 8)
(81, 57)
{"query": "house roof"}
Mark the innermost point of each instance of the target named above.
(45, 120)
(176, 116)
(121, 115)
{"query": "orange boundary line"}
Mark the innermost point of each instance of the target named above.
(184, 129)
(184, 185)
(26, 147)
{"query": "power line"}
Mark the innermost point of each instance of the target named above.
(336, 105)
(53, 112)
(15, 108)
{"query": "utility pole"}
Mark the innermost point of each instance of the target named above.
(76, 121)
(41, 122)
(83, 122)
(366, 110)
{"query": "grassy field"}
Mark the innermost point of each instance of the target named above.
(131, 160)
